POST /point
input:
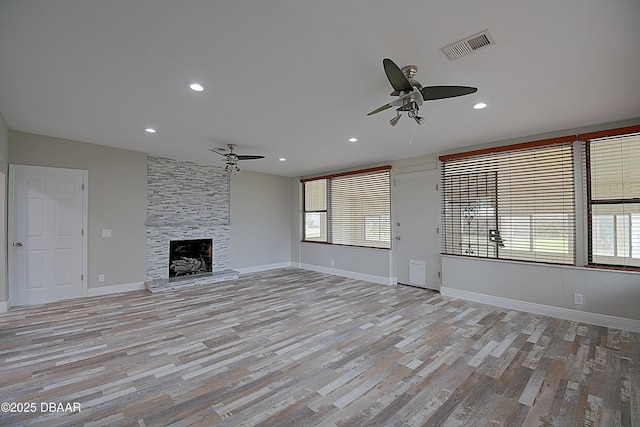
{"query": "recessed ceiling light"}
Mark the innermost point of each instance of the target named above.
(479, 105)
(352, 139)
(196, 87)
(282, 159)
(150, 130)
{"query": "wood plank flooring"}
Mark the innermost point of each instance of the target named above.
(298, 348)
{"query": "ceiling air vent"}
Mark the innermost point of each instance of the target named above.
(468, 45)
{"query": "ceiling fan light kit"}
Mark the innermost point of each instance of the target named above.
(411, 94)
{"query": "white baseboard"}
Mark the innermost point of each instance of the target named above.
(4, 307)
(115, 289)
(546, 310)
(265, 267)
(350, 274)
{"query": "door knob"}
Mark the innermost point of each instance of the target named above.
(397, 237)
(17, 244)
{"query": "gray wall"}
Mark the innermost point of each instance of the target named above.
(265, 231)
(295, 191)
(260, 221)
(606, 292)
(376, 265)
(4, 158)
(4, 139)
(370, 264)
(260, 208)
(117, 201)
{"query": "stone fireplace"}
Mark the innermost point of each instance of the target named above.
(186, 201)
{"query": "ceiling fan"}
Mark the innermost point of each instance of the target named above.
(412, 94)
(231, 158)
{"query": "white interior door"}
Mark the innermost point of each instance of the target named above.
(48, 242)
(417, 220)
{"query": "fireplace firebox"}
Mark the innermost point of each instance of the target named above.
(189, 257)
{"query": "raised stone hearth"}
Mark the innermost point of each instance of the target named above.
(186, 201)
(183, 282)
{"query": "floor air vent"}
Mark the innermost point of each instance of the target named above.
(468, 45)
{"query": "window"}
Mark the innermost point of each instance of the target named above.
(612, 175)
(315, 210)
(514, 202)
(353, 208)
(469, 213)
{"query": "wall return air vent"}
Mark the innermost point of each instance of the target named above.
(468, 45)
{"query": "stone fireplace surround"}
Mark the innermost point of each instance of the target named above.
(186, 200)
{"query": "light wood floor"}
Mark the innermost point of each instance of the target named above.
(298, 348)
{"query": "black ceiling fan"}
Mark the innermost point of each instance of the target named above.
(231, 158)
(411, 94)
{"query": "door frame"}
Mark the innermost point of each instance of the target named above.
(11, 226)
(4, 277)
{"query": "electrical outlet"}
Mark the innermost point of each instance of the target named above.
(106, 233)
(101, 278)
(578, 299)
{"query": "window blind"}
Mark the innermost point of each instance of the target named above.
(514, 202)
(315, 210)
(352, 208)
(612, 174)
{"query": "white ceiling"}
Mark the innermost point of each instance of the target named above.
(296, 78)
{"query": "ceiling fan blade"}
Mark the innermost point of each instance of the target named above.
(430, 93)
(215, 150)
(396, 77)
(377, 110)
(248, 157)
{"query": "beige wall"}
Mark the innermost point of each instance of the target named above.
(117, 201)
